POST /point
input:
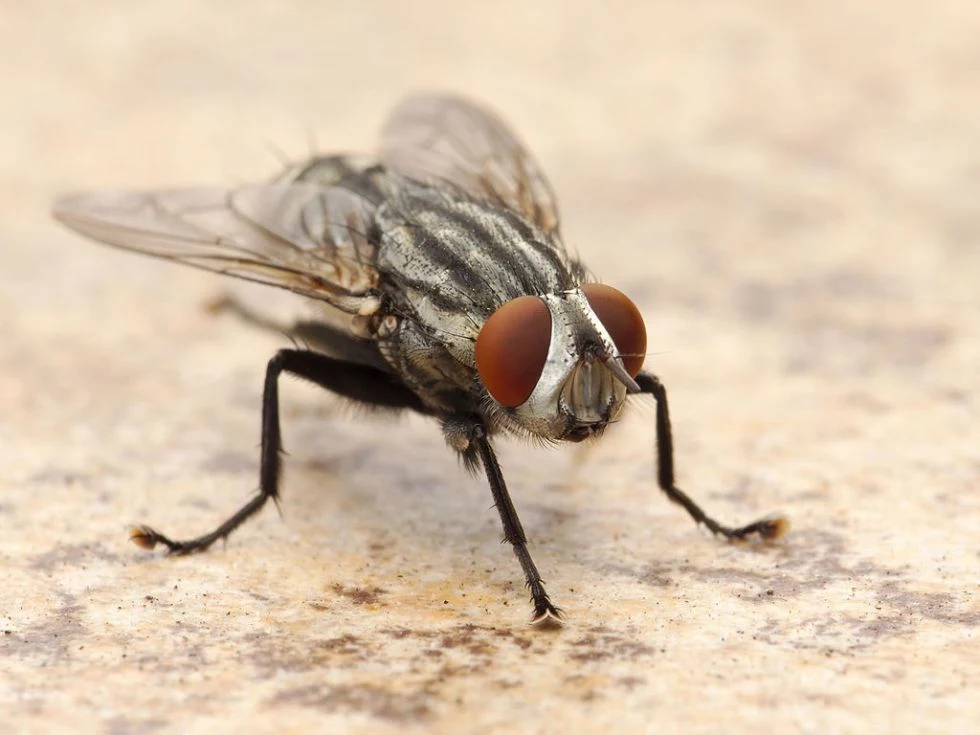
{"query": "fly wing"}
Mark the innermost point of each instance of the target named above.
(433, 138)
(309, 239)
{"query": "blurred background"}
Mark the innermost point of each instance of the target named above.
(787, 189)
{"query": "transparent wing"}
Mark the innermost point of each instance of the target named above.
(433, 138)
(302, 237)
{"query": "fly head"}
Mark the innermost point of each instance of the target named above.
(560, 365)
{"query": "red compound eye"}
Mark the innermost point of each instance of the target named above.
(511, 349)
(622, 320)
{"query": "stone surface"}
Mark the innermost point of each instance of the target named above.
(789, 191)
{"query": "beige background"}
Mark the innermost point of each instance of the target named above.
(789, 190)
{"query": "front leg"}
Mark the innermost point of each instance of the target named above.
(366, 385)
(766, 528)
(468, 436)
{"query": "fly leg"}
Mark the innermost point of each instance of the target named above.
(229, 303)
(469, 438)
(324, 337)
(360, 383)
(766, 528)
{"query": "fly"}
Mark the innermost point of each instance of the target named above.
(445, 290)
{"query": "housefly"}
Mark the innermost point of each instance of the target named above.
(445, 290)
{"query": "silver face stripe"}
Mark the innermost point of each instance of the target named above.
(572, 391)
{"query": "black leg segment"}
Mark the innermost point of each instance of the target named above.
(469, 437)
(766, 528)
(366, 385)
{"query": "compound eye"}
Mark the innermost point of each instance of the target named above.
(622, 320)
(511, 349)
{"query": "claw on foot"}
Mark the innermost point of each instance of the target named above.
(774, 528)
(765, 529)
(144, 537)
(547, 616)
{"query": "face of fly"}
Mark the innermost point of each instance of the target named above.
(560, 366)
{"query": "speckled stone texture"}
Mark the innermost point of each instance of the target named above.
(789, 191)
